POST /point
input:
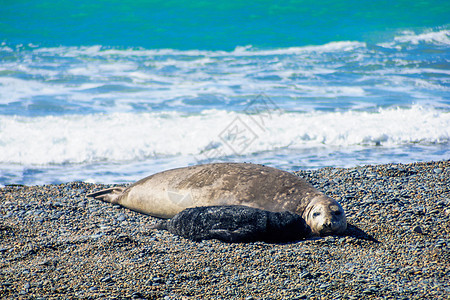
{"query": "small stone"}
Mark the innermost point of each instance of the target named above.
(418, 229)
(96, 236)
(330, 239)
(136, 295)
(45, 262)
(305, 275)
(26, 287)
(106, 279)
(121, 218)
(438, 170)
(369, 291)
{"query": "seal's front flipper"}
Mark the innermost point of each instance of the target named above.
(232, 236)
(160, 225)
(110, 195)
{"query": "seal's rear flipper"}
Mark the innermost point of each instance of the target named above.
(110, 195)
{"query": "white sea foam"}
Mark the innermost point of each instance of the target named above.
(100, 51)
(122, 137)
(125, 80)
(407, 38)
(329, 47)
(436, 37)
(14, 89)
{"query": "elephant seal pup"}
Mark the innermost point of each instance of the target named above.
(236, 224)
(165, 194)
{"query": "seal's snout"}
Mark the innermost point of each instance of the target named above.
(327, 227)
(330, 227)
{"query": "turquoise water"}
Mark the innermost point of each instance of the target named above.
(112, 91)
(213, 25)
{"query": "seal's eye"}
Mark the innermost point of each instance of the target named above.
(337, 213)
(316, 214)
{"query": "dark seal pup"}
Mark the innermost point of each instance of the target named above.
(236, 224)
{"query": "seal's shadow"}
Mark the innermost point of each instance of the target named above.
(351, 231)
(358, 233)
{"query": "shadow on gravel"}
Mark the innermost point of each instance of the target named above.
(357, 233)
(352, 231)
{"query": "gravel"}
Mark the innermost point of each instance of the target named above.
(57, 244)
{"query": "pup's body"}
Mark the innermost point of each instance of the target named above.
(236, 223)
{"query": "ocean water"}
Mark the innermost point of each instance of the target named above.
(114, 91)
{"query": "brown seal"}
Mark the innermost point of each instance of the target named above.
(167, 193)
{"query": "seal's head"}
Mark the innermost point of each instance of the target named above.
(325, 216)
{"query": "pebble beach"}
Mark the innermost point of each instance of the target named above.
(58, 244)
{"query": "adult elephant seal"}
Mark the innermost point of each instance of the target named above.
(167, 193)
(236, 224)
